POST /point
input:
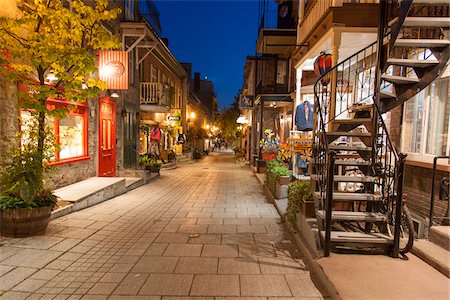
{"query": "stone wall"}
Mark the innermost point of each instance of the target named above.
(69, 173)
(9, 122)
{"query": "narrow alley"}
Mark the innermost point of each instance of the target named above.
(204, 229)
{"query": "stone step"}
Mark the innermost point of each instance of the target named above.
(132, 183)
(89, 192)
(340, 237)
(440, 235)
(432, 254)
(343, 196)
(353, 216)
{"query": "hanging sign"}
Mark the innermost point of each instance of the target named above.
(174, 119)
(113, 69)
(245, 101)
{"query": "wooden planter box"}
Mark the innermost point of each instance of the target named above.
(281, 189)
(22, 222)
(307, 209)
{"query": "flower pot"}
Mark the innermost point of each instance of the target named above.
(284, 180)
(22, 222)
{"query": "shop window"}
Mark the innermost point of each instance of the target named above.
(70, 133)
(426, 120)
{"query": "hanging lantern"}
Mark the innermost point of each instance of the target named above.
(322, 65)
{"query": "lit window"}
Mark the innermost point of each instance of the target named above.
(426, 121)
(71, 136)
(70, 133)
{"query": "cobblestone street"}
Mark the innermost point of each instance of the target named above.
(203, 229)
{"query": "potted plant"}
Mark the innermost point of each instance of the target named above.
(25, 203)
(154, 166)
(300, 200)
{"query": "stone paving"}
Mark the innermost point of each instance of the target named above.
(204, 230)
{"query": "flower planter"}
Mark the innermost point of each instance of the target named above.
(260, 166)
(284, 180)
(22, 222)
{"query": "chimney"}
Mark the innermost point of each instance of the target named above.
(196, 81)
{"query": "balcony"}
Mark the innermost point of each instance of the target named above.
(271, 75)
(347, 13)
(276, 34)
(156, 96)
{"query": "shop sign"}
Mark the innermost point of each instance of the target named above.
(174, 119)
(245, 101)
(113, 69)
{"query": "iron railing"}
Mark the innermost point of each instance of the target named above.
(348, 85)
(156, 93)
(431, 216)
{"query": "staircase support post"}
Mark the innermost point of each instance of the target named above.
(399, 204)
(329, 207)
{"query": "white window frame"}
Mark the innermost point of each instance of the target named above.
(423, 157)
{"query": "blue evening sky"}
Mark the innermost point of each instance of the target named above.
(215, 36)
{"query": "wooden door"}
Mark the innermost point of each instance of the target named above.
(107, 138)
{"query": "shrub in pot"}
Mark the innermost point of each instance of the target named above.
(25, 205)
(298, 193)
(274, 170)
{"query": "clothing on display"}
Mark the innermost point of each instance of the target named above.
(304, 116)
(155, 133)
(181, 139)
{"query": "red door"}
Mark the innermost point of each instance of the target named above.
(107, 138)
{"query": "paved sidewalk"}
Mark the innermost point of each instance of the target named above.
(202, 230)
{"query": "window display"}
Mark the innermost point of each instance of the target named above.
(70, 133)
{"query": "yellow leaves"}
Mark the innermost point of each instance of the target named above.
(50, 37)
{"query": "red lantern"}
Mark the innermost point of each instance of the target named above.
(322, 65)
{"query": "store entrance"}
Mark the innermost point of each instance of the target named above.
(107, 138)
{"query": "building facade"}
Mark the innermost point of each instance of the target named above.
(104, 136)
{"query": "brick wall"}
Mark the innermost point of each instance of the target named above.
(417, 185)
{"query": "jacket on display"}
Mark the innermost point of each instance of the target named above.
(155, 134)
(304, 115)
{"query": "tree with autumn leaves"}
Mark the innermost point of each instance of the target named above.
(51, 50)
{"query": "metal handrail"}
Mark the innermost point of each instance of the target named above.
(436, 158)
(387, 163)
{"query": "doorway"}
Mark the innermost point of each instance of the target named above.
(107, 138)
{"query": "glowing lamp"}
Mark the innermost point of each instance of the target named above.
(241, 120)
(322, 65)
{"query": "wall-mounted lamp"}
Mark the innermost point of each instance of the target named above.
(51, 77)
(114, 95)
(242, 120)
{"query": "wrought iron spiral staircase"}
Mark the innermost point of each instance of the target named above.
(358, 171)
